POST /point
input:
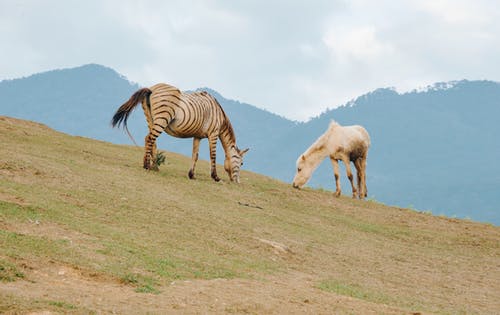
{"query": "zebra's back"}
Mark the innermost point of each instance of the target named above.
(186, 114)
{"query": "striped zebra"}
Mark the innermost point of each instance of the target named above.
(195, 115)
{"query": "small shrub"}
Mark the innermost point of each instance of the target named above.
(159, 159)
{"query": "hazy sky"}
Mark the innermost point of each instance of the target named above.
(294, 58)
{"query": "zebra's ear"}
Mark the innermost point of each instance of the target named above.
(242, 152)
(303, 157)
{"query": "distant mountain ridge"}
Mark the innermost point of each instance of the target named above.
(432, 149)
(435, 149)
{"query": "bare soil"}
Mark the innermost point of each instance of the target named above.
(293, 293)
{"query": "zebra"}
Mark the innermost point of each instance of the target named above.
(196, 115)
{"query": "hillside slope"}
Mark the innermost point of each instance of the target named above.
(84, 229)
(433, 149)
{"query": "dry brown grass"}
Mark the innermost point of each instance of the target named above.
(84, 229)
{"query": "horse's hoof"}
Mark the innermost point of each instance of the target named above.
(191, 174)
(337, 194)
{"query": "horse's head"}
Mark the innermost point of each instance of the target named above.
(233, 163)
(303, 172)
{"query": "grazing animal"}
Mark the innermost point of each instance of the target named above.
(346, 144)
(195, 115)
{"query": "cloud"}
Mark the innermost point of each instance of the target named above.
(357, 43)
(295, 58)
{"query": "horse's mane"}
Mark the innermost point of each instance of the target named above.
(320, 143)
(333, 123)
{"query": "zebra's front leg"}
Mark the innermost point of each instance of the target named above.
(196, 147)
(212, 143)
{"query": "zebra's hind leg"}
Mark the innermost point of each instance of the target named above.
(150, 154)
(196, 147)
(154, 158)
(155, 129)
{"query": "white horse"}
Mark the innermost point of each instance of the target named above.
(346, 144)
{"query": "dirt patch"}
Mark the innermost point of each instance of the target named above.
(13, 199)
(293, 293)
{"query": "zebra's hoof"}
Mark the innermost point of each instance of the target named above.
(191, 174)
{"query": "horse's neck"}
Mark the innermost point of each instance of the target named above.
(316, 153)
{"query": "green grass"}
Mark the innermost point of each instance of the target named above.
(354, 291)
(63, 305)
(371, 295)
(143, 284)
(8, 303)
(9, 272)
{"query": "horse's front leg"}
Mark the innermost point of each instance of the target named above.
(212, 144)
(335, 165)
(194, 157)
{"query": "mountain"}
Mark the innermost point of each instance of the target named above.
(78, 101)
(434, 149)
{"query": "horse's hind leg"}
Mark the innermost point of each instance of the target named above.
(358, 163)
(363, 176)
(347, 163)
(196, 148)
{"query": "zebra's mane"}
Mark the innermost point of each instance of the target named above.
(227, 122)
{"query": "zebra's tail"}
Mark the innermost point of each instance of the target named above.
(122, 114)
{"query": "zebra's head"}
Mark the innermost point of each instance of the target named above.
(233, 163)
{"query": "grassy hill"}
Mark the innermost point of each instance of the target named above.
(423, 141)
(84, 229)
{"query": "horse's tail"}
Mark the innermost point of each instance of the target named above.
(122, 114)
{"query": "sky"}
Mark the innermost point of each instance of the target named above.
(293, 58)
